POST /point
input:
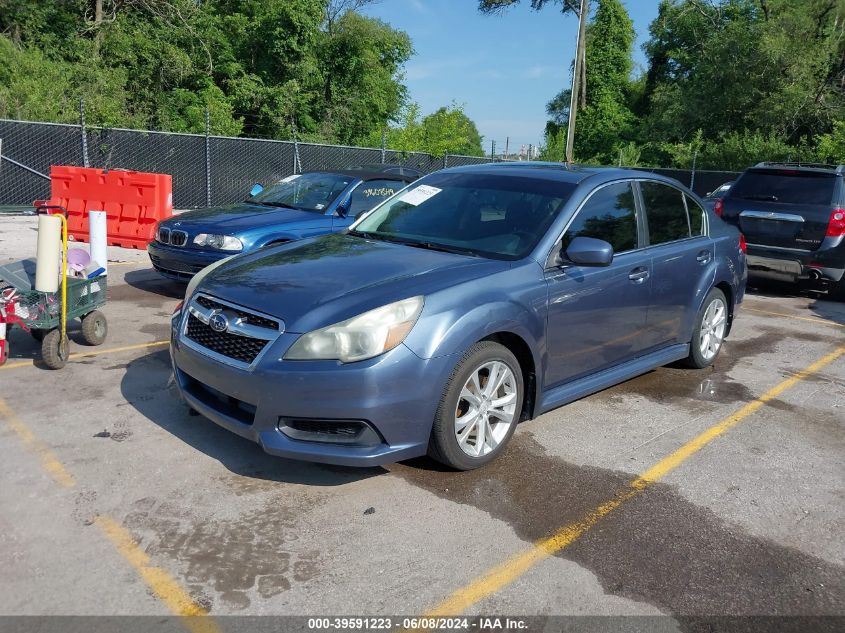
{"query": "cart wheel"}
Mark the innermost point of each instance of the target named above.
(94, 328)
(55, 349)
(38, 335)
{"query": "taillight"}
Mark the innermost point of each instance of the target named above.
(742, 245)
(836, 226)
(718, 208)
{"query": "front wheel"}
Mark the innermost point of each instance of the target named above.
(480, 408)
(55, 349)
(709, 331)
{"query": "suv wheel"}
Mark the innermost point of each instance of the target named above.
(836, 290)
(480, 408)
(709, 330)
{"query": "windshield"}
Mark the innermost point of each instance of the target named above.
(309, 192)
(477, 214)
(787, 185)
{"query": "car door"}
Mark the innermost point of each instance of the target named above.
(365, 197)
(597, 315)
(681, 253)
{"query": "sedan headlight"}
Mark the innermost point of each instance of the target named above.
(361, 337)
(219, 242)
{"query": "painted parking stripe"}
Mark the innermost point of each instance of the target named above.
(507, 572)
(49, 460)
(796, 317)
(97, 352)
(166, 588)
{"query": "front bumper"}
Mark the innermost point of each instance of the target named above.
(181, 263)
(782, 264)
(395, 395)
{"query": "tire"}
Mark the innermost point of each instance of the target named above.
(38, 335)
(468, 453)
(714, 309)
(95, 328)
(55, 349)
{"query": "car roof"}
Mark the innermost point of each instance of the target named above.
(796, 166)
(365, 174)
(560, 172)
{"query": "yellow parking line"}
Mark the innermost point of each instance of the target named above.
(97, 352)
(163, 585)
(50, 462)
(508, 571)
(794, 316)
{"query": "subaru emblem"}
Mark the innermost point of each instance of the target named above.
(218, 322)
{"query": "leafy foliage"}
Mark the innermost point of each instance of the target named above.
(729, 81)
(447, 131)
(261, 67)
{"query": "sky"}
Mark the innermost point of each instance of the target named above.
(502, 68)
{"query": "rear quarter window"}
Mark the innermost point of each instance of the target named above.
(786, 186)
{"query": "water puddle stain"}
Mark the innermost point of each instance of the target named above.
(657, 548)
(236, 558)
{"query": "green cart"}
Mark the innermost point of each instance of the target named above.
(40, 312)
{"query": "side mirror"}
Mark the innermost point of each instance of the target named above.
(588, 251)
(256, 189)
(343, 206)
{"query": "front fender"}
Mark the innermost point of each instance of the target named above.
(448, 334)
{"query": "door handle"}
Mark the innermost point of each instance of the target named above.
(638, 275)
(703, 257)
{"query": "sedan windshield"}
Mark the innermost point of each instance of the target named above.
(477, 214)
(308, 192)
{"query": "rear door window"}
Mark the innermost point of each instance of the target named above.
(666, 213)
(610, 214)
(787, 186)
(696, 216)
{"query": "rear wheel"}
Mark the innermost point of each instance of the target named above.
(709, 331)
(55, 349)
(94, 328)
(480, 408)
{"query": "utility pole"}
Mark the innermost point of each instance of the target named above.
(577, 73)
(507, 146)
(492, 149)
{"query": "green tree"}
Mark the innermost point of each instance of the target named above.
(448, 130)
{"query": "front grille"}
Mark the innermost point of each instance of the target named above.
(234, 346)
(178, 238)
(164, 235)
(248, 317)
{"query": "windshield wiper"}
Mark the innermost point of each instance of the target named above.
(283, 205)
(438, 247)
(760, 197)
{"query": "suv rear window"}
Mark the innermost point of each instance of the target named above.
(789, 186)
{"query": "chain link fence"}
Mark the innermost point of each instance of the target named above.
(207, 170)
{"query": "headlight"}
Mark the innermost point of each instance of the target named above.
(361, 337)
(219, 242)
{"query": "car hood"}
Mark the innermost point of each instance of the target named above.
(316, 282)
(230, 219)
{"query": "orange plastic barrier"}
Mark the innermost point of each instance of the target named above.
(134, 202)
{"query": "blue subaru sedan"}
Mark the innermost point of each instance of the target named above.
(299, 206)
(477, 298)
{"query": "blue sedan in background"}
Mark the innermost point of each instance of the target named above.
(477, 298)
(299, 206)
